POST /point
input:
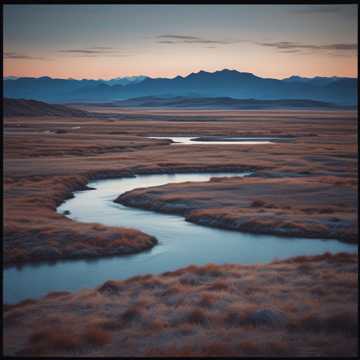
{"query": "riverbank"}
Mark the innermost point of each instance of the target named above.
(51, 236)
(181, 243)
(258, 205)
(37, 165)
(286, 308)
(46, 159)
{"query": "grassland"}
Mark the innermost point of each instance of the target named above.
(258, 205)
(299, 307)
(47, 158)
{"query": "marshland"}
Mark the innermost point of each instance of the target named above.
(92, 259)
(180, 180)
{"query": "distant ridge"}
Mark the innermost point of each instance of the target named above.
(23, 107)
(224, 83)
(221, 103)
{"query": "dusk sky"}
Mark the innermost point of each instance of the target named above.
(107, 41)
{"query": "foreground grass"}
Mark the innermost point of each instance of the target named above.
(305, 306)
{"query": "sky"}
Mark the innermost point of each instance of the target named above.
(109, 41)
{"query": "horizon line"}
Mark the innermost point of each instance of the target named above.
(174, 77)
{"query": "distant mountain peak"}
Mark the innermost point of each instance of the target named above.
(228, 71)
(220, 83)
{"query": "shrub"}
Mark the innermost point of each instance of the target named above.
(110, 287)
(257, 203)
(248, 347)
(219, 349)
(278, 347)
(218, 286)
(343, 322)
(13, 317)
(210, 270)
(197, 316)
(97, 337)
(132, 314)
(207, 300)
(55, 339)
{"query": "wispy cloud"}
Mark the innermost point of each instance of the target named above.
(288, 45)
(81, 51)
(94, 51)
(282, 46)
(290, 51)
(346, 11)
(187, 39)
(15, 55)
(102, 48)
(178, 37)
(317, 9)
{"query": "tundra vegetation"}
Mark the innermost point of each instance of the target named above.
(302, 306)
(258, 205)
(305, 306)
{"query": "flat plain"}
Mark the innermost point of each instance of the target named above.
(308, 304)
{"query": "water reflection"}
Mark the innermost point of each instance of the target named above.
(184, 140)
(181, 243)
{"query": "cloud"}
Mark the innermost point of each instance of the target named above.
(81, 51)
(290, 51)
(178, 37)
(282, 46)
(345, 11)
(186, 39)
(102, 48)
(166, 42)
(288, 45)
(317, 9)
(15, 55)
(94, 51)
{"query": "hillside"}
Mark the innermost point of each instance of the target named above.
(23, 107)
(220, 103)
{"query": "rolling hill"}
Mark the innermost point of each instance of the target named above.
(220, 103)
(22, 107)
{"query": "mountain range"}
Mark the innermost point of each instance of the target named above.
(224, 83)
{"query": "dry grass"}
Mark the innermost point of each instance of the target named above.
(55, 340)
(37, 167)
(64, 340)
(283, 317)
(97, 337)
(34, 231)
(186, 312)
(235, 203)
(197, 316)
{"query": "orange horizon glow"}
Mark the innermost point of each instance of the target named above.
(347, 67)
(109, 41)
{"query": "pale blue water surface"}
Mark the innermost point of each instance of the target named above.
(186, 140)
(180, 243)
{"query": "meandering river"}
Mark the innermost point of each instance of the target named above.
(180, 243)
